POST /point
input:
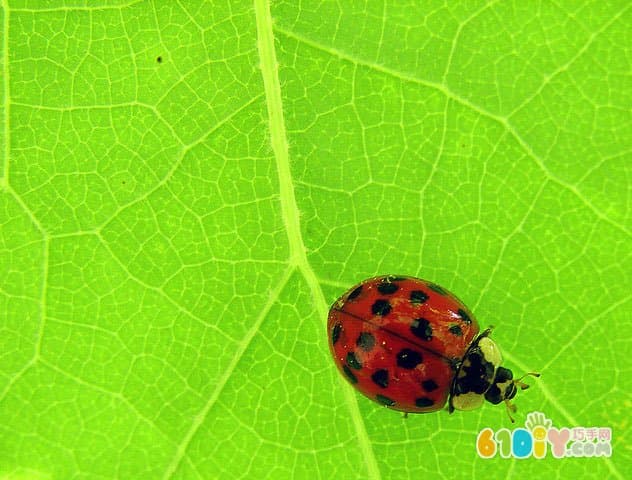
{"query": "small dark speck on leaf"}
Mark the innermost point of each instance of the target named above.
(159, 59)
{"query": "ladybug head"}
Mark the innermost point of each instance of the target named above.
(480, 377)
(505, 388)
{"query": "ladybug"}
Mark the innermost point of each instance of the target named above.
(412, 346)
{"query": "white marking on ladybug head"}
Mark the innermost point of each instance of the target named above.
(468, 401)
(490, 351)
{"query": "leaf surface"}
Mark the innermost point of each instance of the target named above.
(187, 186)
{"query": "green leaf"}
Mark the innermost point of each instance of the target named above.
(187, 186)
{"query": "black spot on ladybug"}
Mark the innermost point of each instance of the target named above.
(417, 297)
(455, 330)
(353, 361)
(387, 288)
(421, 328)
(429, 385)
(464, 316)
(436, 288)
(366, 341)
(409, 359)
(381, 307)
(335, 333)
(423, 402)
(385, 400)
(354, 294)
(380, 378)
(349, 374)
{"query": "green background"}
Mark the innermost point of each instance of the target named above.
(173, 232)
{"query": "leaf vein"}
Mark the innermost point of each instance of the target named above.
(289, 206)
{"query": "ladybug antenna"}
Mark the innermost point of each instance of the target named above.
(521, 384)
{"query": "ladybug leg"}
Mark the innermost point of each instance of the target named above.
(405, 415)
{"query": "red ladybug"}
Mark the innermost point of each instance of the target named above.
(412, 346)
